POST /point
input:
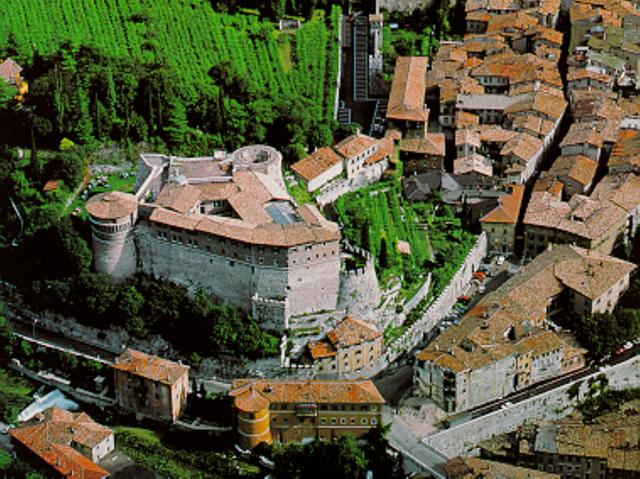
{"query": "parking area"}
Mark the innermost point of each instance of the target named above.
(490, 275)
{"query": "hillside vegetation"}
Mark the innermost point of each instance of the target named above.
(177, 70)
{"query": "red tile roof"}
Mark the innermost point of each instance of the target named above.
(316, 163)
(301, 391)
(150, 367)
(508, 207)
(406, 100)
(51, 435)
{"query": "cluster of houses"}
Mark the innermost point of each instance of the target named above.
(609, 447)
(480, 120)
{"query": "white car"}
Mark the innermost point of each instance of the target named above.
(482, 288)
(500, 260)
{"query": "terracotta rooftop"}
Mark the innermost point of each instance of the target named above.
(508, 208)
(550, 106)
(305, 392)
(386, 147)
(626, 153)
(112, 205)
(520, 303)
(321, 349)
(581, 216)
(582, 133)
(355, 145)
(614, 438)
(179, 198)
(407, 97)
(316, 163)
(592, 274)
(433, 144)
(351, 331)
(576, 167)
(522, 146)
(52, 433)
(473, 163)
(150, 367)
(476, 468)
(623, 190)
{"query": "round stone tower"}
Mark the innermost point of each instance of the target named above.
(252, 413)
(113, 216)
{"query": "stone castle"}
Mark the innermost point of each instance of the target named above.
(224, 224)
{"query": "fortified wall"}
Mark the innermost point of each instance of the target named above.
(359, 289)
(224, 224)
(550, 405)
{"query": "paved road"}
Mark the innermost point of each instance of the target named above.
(60, 341)
(410, 446)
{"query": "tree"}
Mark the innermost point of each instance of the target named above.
(129, 303)
(7, 92)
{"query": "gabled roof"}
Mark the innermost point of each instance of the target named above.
(316, 163)
(150, 367)
(351, 331)
(53, 432)
(433, 144)
(508, 208)
(406, 100)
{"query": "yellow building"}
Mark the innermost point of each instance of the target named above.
(286, 411)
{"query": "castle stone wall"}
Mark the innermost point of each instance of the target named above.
(306, 275)
(114, 251)
(359, 289)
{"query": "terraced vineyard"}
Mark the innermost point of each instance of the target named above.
(189, 34)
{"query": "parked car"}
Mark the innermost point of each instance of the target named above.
(500, 260)
(482, 288)
(628, 345)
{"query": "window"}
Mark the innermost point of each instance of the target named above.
(343, 420)
(333, 420)
(364, 420)
(323, 421)
(374, 421)
(353, 420)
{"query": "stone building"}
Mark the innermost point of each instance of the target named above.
(476, 468)
(407, 111)
(286, 411)
(608, 448)
(65, 444)
(502, 345)
(223, 224)
(349, 347)
(150, 386)
(500, 223)
(585, 221)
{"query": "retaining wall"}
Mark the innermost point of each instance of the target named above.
(442, 304)
(547, 406)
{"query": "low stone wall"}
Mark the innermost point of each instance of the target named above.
(419, 296)
(547, 406)
(442, 304)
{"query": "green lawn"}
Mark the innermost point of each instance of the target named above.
(15, 395)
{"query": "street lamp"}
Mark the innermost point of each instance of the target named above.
(33, 333)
